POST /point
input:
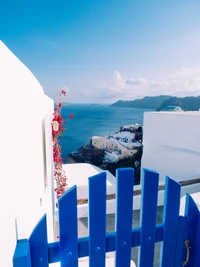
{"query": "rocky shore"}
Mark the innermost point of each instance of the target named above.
(98, 156)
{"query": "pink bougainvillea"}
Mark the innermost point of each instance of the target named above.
(57, 131)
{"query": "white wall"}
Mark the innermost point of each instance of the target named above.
(78, 174)
(23, 195)
(171, 144)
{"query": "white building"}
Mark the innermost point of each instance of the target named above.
(171, 144)
(120, 145)
(25, 154)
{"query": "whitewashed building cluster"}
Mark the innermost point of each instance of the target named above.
(118, 146)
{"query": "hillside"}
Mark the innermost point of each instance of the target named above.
(186, 103)
(160, 102)
(148, 102)
(173, 101)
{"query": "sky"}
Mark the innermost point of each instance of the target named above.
(101, 51)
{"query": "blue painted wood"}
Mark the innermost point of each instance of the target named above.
(124, 207)
(197, 246)
(68, 231)
(192, 215)
(83, 243)
(180, 242)
(39, 244)
(170, 221)
(21, 256)
(148, 218)
(175, 229)
(54, 252)
(97, 220)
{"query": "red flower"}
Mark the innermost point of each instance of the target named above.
(57, 131)
(63, 92)
(71, 116)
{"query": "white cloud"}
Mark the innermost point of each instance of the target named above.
(136, 81)
(110, 93)
(159, 83)
(185, 82)
(117, 88)
(85, 93)
(118, 78)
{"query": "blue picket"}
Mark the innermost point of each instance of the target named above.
(97, 220)
(124, 207)
(68, 231)
(174, 231)
(83, 243)
(192, 215)
(21, 256)
(39, 244)
(197, 245)
(148, 217)
(170, 221)
(180, 242)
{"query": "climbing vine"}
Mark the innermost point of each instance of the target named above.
(57, 131)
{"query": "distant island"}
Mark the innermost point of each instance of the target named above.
(159, 103)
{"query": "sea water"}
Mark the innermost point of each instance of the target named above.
(94, 120)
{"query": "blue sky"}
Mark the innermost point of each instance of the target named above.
(105, 50)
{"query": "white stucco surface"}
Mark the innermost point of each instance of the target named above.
(25, 115)
(171, 144)
(78, 175)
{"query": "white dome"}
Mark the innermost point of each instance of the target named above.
(16, 78)
(19, 88)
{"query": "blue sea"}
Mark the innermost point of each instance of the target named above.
(90, 120)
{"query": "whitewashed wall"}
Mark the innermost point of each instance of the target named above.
(171, 144)
(23, 195)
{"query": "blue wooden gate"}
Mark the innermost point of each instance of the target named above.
(180, 235)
